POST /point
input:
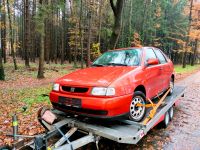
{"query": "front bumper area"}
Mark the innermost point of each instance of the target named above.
(100, 107)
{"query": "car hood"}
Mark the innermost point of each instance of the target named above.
(95, 76)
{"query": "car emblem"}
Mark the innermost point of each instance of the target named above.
(72, 89)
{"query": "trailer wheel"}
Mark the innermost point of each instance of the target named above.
(171, 113)
(166, 120)
(137, 113)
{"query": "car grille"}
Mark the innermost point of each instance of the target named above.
(74, 89)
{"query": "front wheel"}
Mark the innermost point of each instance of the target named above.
(137, 113)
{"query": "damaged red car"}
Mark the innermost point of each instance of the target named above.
(115, 83)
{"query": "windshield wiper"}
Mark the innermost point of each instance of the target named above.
(98, 65)
(116, 64)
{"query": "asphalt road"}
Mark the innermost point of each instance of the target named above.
(183, 132)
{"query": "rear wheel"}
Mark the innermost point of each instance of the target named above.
(137, 113)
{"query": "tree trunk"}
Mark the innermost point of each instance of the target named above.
(32, 32)
(27, 32)
(41, 58)
(117, 10)
(3, 30)
(76, 45)
(100, 22)
(63, 34)
(89, 38)
(11, 35)
(81, 34)
(188, 32)
(194, 53)
(2, 75)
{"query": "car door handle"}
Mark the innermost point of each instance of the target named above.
(161, 68)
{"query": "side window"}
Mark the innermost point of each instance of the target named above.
(160, 56)
(149, 54)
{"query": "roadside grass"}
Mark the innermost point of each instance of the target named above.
(35, 95)
(24, 100)
(188, 69)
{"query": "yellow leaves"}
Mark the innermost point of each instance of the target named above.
(95, 50)
(16, 45)
(136, 40)
(158, 12)
(2, 25)
(157, 25)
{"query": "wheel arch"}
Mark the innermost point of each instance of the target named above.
(140, 88)
(173, 77)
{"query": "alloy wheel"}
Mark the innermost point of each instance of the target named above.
(137, 112)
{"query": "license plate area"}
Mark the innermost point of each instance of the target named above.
(72, 102)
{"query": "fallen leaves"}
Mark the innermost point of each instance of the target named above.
(23, 94)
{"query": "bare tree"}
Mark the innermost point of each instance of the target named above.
(117, 10)
(27, 32)
(2, 75)
(11, 35)
(89, 37)
(41, 58)
(3, 29)
(188, 32)
(81, 33)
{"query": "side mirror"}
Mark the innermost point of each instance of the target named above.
(152, 61)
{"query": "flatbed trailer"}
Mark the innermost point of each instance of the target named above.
(92, 130)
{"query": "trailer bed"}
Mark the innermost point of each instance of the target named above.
(121, 131)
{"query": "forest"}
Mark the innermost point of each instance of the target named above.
(78, 31)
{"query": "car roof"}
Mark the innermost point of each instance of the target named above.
(129, 48)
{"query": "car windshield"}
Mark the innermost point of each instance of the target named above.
(130, 57)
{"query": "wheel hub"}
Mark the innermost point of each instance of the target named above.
(137, 111)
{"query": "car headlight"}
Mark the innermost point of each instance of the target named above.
(101, 91)
(56, 87)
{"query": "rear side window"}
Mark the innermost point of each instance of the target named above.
(160, 56)
(149, 54)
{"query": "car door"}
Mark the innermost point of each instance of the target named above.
(165, 77)
(153, 81)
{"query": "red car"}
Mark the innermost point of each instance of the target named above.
(115, 83)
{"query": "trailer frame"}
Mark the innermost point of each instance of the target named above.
(121, 131)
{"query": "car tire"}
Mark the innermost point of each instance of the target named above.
(166, 120)
(171, 85)
(137, 113)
